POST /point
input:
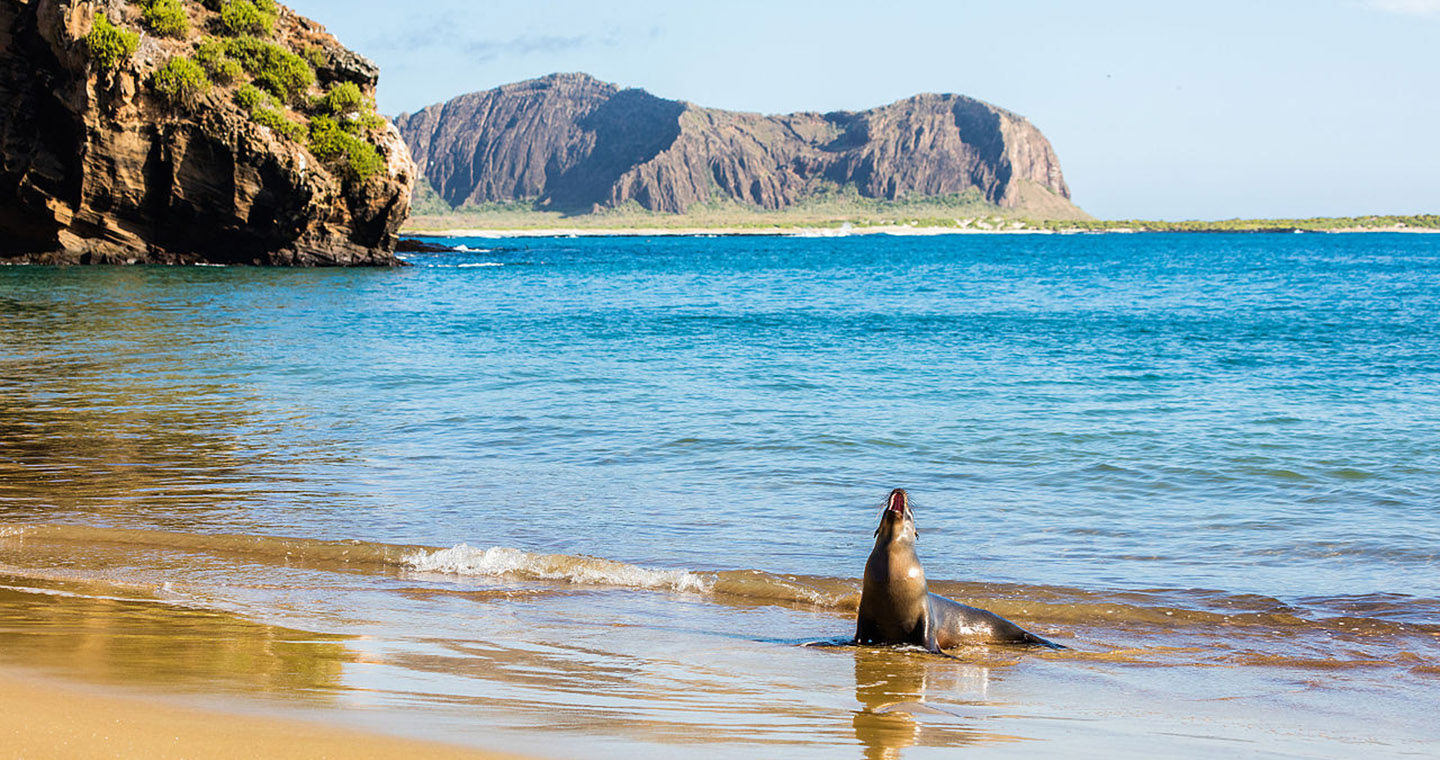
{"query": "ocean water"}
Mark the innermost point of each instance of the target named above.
(603, 489)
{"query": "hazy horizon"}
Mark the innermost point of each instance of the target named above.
(1322, 108)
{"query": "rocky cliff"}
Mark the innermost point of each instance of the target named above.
(571, 142)
(175, 131)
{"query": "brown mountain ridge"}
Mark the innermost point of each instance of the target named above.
(570, 142)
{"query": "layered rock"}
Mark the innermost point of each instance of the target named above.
(97, 167)
(571, 142)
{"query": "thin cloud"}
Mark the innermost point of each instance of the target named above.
(449, 32)
(483, 51)
(1406, 7)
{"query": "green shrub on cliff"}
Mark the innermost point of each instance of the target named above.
(181, 81)
(109, 45)
(166, 18)
(350, 108)
(342, 99)
(315, 55)
(240, 17)
(357, 159)
(221, 67)
(363, 123)
(263, 111)
(274, 68)
(251, 97)
(279, 122)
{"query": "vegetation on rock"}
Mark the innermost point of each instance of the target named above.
(315, 55)
(355, 157)
(210, 159)
(250, 97)
(271, 80)
(263, 111)
(342, 99)
(286, 75)
(166, 18)
(351, 109)
(220, 66)
(279, 123)
(243, 17)
(109, 45)
(181, 81)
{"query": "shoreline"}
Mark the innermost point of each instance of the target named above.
(480, 232)
(837, 232)
(46, 716)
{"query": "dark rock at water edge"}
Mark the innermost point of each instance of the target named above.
(95, 167)
(570, 142)
(416, 245)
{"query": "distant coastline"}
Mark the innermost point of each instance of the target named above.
(679, 225)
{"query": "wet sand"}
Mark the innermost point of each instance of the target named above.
(45, 718)
(587, 657)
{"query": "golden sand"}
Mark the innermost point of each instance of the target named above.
(42, 719)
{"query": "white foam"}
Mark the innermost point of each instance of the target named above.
(500, 561)
(77, 595)
(481, 264)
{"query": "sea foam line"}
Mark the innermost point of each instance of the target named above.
(464, 559)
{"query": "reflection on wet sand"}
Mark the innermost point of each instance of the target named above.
(895, 689)
(113, 635)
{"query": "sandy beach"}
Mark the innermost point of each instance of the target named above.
(43, 718)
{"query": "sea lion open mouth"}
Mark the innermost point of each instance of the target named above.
(899, 501)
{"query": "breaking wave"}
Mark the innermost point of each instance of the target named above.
(503, 561)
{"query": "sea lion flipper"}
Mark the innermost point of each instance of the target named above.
(1033, 640)
(932, 639)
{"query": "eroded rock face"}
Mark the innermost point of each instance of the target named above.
(96, 168)
(572, 142)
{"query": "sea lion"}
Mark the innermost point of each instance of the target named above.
(896, 606)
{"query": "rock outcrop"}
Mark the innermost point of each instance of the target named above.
(98, 165)
(573, 143)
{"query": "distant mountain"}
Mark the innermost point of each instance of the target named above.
(573, 143)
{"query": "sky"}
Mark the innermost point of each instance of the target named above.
(1158, 110)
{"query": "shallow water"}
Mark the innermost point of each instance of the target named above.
(1207, 463)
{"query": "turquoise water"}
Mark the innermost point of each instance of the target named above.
(603, 487)
(1256, 413)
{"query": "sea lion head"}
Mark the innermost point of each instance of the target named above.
(897, 523)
